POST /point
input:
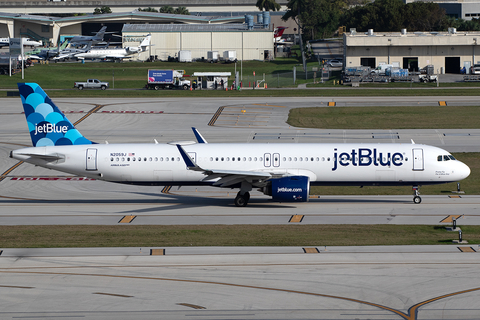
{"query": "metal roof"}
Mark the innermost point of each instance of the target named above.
(134, 15)
(188, 28)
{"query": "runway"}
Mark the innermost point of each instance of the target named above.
(423, 282)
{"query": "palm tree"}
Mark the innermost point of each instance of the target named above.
(181, 10)
(295, 7)
(166, 9)
(268, 5)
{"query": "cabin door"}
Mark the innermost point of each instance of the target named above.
(418, 159)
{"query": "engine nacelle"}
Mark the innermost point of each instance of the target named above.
(289, 189)
(133, 49)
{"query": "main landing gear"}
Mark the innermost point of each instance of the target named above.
(242, 200)
(416, 195)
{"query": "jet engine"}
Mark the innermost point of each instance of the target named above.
(288, 189)
(133, 49)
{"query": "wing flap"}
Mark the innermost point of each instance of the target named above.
(226, 177)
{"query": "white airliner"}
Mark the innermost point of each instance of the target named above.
(283, 171)
(116, 54)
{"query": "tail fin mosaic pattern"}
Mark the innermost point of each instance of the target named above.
(48, 126)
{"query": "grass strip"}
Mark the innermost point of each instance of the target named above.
(385, 118)
(228, 235)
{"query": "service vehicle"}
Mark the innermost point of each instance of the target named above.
(167, 79)
(427, 78)
(91, 84)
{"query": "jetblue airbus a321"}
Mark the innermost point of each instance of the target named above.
(283, 171)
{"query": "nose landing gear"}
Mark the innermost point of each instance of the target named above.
(416, 195)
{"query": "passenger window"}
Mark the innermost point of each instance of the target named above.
(145, 159)
(239, 159)
(111, 159)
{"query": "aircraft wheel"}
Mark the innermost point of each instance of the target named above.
(417, 199)
(242, 200)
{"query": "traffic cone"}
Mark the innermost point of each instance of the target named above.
(265, 85)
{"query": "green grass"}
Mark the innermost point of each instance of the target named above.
(129, 78)
(221, 235)
(412, 117)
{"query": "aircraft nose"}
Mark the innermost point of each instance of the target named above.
(462, 171)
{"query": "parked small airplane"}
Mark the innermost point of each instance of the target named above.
(92, 40)
(69, 53)
(282, 171)
(26, 42)
(116, 53)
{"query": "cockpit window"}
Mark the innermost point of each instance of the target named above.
(446, 157)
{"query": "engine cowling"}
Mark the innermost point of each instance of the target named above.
(289, 189)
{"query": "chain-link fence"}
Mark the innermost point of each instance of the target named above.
(284, 79)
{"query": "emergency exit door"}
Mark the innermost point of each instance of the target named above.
(91, 159)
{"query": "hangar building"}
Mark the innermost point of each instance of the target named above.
(169, 39)
(448, 52)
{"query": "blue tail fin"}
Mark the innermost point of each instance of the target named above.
(48, 126)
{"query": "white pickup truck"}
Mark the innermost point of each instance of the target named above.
(91, 84)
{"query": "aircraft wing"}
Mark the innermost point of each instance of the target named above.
(227, 177)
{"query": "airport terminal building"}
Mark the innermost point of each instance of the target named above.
(448, 52)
